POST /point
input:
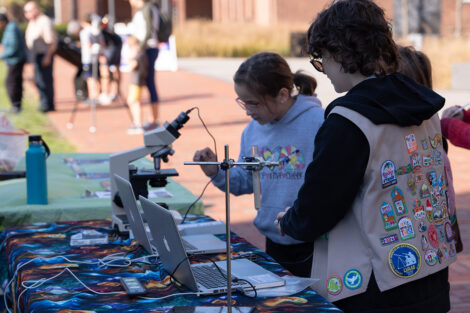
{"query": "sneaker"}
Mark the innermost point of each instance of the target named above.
(151, 126)
(104, 99)
(135, 130)
(15, 110)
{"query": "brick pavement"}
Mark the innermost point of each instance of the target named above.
(182, 90)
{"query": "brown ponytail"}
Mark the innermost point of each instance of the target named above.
(305, 84)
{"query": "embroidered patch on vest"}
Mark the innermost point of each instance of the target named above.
(452, 250)
(429, 210)
(398, 201)
(353, 279)
(427, 160)
(404, 169)
(435, 141)
(412, 184)
(420, 177)
(433, 236)
(424, 143)
(404, 260)
(445, 251)
(415, 161)
(437, 155)
(406, 228)
(449, 232)
(424, 192)
(424, 243)
(411, 143)
(388, 240)
(432, 178)
(422, 227)
(430, 257)
(387, 172)
(334, 285)
(387, 217)
(418, 210)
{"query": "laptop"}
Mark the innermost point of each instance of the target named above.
(194, 244)
(203, 277)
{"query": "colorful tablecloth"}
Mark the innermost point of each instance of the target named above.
(73, 180)
(66, 294)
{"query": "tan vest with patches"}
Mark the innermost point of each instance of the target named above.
(399, 223)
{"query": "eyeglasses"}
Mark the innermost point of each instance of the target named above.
(244, 105)
(315, 60)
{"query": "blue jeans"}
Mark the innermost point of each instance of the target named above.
(44, 83)
(152, 54)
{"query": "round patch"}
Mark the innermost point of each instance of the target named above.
(334, 285)
(353, 279)
(430, 257)
(404, 260)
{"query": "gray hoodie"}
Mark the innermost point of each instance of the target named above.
(289, 140)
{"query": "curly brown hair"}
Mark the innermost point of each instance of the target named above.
(357, 35)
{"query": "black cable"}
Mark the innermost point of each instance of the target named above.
(252, 287)
(198, 198)
(207, 130)
(216, 158)
(234, 279)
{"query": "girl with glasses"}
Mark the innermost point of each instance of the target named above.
(286, 115)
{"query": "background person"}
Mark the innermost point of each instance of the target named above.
(455, 125)
(110, 62)
(375, 250)
(145, 27)
(41, 41)
(283, 127)
(138, 66)
(91, 42)
(14, 54)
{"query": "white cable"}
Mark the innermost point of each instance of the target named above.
(37, 283)
(172, 295)
(101, 262)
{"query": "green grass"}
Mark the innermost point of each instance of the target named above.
(31, 120)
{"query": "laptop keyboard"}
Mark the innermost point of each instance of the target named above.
(210, 277)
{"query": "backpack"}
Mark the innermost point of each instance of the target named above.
(165, 27)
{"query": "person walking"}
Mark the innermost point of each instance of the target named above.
(41, 41)
(14, 54)
(145, 27)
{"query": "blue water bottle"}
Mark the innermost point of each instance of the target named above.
(36, 172)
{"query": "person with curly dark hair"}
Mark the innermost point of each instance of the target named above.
(374, 198)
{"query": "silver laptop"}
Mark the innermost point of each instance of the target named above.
(204, 277)
(194, 244)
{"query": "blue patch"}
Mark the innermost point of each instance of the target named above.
(352, 279)
(404, 260)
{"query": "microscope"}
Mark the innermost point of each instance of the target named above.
(157, 144)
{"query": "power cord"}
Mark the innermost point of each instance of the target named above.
(216, 157)
(234, 279)
(108, 260)
(37, 283)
